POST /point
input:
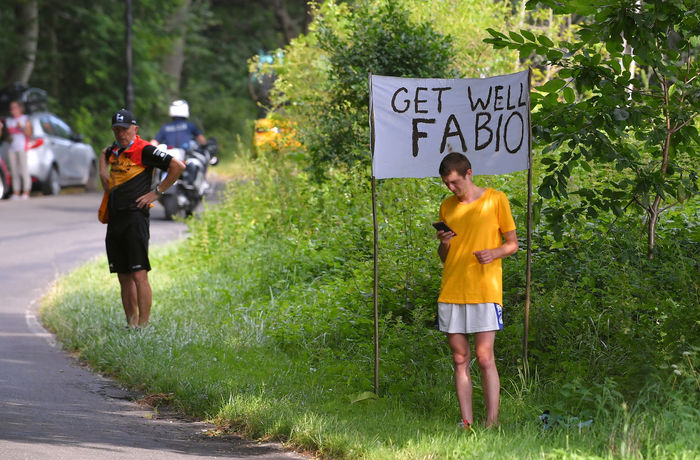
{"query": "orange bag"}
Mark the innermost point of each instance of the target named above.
(103, 212)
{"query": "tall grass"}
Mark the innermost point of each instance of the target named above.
(262, 322)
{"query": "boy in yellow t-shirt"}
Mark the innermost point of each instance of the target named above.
(482, 232)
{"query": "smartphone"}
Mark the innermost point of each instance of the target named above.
(442, 226)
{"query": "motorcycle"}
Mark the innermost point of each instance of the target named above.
(181, 199)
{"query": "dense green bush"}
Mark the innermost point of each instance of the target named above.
(626, 85)
(599, 307)
(608, 311)
(323, 80)
(263, 318)
(346, 44)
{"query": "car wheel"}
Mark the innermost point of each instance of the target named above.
(51, 185)
(91, 184)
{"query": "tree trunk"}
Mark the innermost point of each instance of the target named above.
(56, 62)
(307, 19)
(29, 21)
(175, 61)
(288, 25)
(128, 57)
(654, 210)
(653, 220)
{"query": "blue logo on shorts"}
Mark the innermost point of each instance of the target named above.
(499, 316)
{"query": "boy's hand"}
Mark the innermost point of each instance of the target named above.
(485, 256)
(444, 236)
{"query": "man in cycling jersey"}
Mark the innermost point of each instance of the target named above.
(126, 172)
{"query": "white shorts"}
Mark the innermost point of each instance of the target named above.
(468, 318)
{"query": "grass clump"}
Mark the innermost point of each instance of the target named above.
(262, 322)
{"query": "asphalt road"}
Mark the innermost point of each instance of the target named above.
(50, 406)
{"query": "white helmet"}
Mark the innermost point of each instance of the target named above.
(179, 108)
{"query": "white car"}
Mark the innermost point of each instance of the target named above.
(58, 157)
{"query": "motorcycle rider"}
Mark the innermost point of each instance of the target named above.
(179, 131)
(184, 141)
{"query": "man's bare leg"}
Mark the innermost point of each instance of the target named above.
(144, 296)
(490, 382)
(129, 298)
(459, 344)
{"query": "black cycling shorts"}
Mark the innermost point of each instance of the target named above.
(127, 242)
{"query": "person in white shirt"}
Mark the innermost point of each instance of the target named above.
(20, 129)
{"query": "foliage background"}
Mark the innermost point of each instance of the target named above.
(264, 325)
(80, 61)
(265, 322)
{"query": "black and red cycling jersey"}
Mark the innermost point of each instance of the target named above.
(131, 173)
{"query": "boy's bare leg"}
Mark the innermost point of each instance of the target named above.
(490, 382)
(459, 344)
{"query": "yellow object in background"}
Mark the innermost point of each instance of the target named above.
(274, 135)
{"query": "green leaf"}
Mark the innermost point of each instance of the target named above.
(364, 396)
(614, 47)
(516, 37)
(527, 34)
(620, 114)
(526, 49)
(580, 7)
(497, 43)
(569, 95)
(550, 101)
(495, 33)
(615, 66)
(536, 208)
(554, 55)
(626, 61)
(544, 40)
(552, 85)
(545, 192)
(672, 90)
(565, 171)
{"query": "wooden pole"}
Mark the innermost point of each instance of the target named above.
(526, 319)
(375, 295)
(376, 287)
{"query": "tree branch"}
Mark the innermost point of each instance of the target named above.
(641, 205)
(288, 25)
(666, 208)
(676, 128)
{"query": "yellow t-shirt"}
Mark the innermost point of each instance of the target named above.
(478, 225)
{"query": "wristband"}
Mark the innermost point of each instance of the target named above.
(158, 192)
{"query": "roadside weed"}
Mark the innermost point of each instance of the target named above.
(262, 322)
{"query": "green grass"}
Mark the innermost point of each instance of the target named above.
(262, 323)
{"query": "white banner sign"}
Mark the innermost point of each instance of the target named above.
(418, 121)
